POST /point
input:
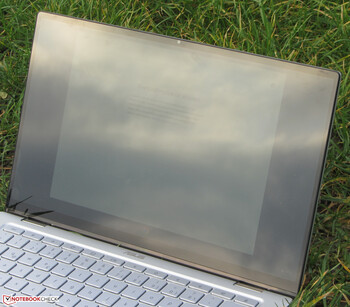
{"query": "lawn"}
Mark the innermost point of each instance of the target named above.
(311, 32)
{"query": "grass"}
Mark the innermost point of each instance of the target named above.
(311, 32)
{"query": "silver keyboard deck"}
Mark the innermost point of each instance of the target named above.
(35, 265)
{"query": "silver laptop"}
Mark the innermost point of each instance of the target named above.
(154, 171)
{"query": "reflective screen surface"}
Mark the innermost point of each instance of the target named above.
(164, 141)
(201, 154)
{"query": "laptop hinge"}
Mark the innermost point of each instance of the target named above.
(250, 287)
(34, 222)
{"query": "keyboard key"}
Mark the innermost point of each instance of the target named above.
(224, 294)
(231, 304)
(92, 254)
(29, 259)
(178, 280)
(16, 284)
(107, 299)
(113, 260)
(134, 266)
(119, 273)
(21, 271)
(89, 293)
(133, 292)
(3, 248)
(97, 281)
(50, 252)
(67, 257)
(33, 289)
(8, 292)
(5, 236)
(136, 279)
(62, 269)
(37, 276)
(246, 301)
(45, 264)
(13, 229)
(170, 302)
(4, 278)
(17, 242)
(6, 265)
(54, 282)
(125, 302)
(84, 262)
(156, 273)
(34, 247)
(210, 301)
(52, 241)
(79, 275)
(173, 290)
(84, 303)
(151, 298)
(154, 284)
(200, 287)
(115, 286)
(32, 235)
(72, 247)
(68, 301)
(101, 267)
(72, 287)
(12, 254)
(191, 296)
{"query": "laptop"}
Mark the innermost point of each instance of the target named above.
(155, 171)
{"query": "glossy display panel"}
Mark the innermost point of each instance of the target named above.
(200, 154)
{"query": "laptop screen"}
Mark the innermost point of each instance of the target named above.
(176, 140)
(204, 155)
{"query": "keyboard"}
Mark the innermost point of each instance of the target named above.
(32, 264)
